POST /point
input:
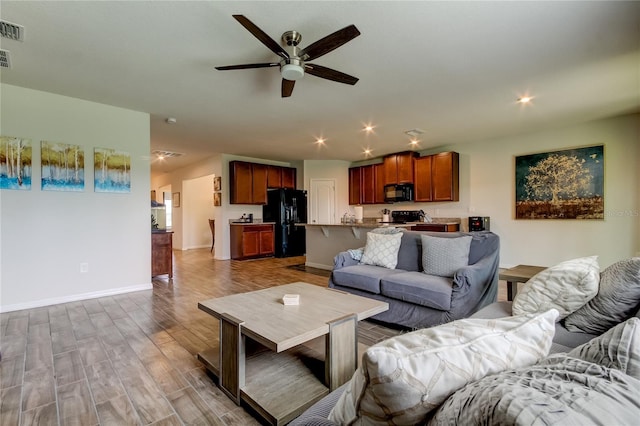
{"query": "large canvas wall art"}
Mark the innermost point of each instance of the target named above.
(62, 166)
(566, 184)
(112, 170)
(15, 163)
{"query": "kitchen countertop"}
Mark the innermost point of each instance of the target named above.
(233, 222)
(373, 223)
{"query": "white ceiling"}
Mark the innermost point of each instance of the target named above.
(453, 69)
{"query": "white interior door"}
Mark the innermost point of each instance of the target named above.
(322, 204)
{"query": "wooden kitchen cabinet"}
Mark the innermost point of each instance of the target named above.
(379, 183)
(248, 183)
(162, 253)
(288, 177)
(252, 240)
(436, 177)
(422, 179)
(274, 177)
(355, 185)
(368, 187)
(445, 179)
(398, 168)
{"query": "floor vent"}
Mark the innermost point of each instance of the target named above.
(166, 154)
(5, 59)
(11, 31)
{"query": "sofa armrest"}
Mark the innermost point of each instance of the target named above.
(478, 273)
(343, 259)
(474, 286)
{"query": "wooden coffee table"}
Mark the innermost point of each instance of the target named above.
(262, 359)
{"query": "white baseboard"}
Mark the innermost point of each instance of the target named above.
(196, 247)
(74, 298)
(319, 266)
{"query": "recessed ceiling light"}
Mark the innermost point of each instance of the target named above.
(367, 151)
(368, 128)
(171, 120)
(320, 141)
(525, 99)
(414, 142)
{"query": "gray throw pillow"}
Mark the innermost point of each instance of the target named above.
(617, 299)
(618, 348)
(444, 256)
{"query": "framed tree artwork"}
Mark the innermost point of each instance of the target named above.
(565, 184)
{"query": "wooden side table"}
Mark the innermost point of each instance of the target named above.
(518, 274)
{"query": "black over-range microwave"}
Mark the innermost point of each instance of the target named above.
(393, 193)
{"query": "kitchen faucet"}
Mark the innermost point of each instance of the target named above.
(425, 217)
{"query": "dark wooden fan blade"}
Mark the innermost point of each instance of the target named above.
(329, 43)
(287, 87)
(262, 36)
(247, 66)
(329, 74)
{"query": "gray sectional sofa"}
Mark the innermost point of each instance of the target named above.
(585, 379)
(418, 300)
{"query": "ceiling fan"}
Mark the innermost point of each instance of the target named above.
(294, 65)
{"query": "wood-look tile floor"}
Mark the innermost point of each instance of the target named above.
(131, 359)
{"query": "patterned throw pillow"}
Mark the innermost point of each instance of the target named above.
(404, 378)
(617, 299)
(566, 287)
(382, 249)
(444, 256)
(618, 348)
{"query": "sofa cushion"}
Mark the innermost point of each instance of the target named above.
(618, 348)
(404, 378)
(444, 256)
(382, 249)
(566, 287)
(362, 277)
(416, 287)
(617, 299)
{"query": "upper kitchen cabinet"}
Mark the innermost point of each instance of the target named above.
(445, 176)
(288, 177)
(274, 177)
(281, 177)
(379, 183)
(355, 185)
(437, 177)
(398, 168)
(248, 183)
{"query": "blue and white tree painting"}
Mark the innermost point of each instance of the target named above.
(15, 163)
(112, 170)
(62, 167)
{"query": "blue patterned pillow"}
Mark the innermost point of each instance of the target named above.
(444, 256)
(382, 249)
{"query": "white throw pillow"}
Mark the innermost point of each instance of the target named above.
(566, 287)
(382, 249)
(443, 256)
(404, 378)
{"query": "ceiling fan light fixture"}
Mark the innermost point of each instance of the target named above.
(292, 72)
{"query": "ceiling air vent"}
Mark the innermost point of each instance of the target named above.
(5, 60)
(166, 154)
(11, 31)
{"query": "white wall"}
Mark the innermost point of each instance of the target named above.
(45, 234)
(487, 189)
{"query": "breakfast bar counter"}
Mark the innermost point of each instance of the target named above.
(324, 242)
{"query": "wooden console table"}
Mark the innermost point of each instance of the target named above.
(518, 274)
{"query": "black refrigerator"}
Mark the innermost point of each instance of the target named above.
(287, 207)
